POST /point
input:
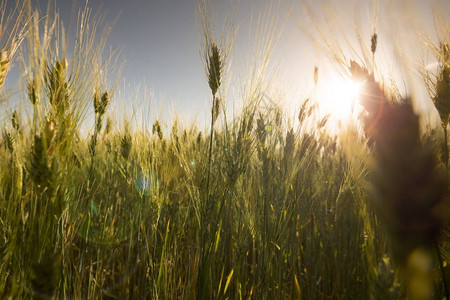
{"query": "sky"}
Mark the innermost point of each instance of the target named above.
(164, 73)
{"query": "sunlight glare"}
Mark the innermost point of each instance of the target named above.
(337, 97)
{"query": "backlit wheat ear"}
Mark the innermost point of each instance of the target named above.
(101, 103)
(441, 98)
(15, 121)
(38, 168)
(214, 68)
(33, 91)
(9, 140)
(373, 99)
(217, 106)
(156, 129)
(57, 85)
(108, 126)
(4, 67)
(125, 146)
(305, 111)
(373, 43)
(97, 103)
(126, 142)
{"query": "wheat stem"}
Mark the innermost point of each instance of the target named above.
(441, 268)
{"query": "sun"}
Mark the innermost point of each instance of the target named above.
(338, 97)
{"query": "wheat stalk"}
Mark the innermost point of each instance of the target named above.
(8, 138)
(126, 142)
(214, 68)
(408, 193)
(156, 129)
(13, 39)
(441, 97)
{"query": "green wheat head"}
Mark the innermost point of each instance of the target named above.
(156, 129)
(4, 67)
(214, 68)
(58, 91)
(126, 142)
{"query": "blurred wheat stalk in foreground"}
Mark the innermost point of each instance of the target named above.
(438, 86)
(408, 189)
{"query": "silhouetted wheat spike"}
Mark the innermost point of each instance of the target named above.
(15, 121)
(214, 80)
(373, 43)
(372, 97)
(33, 91)
(215, 113)
(156, 129)
(408, 193)
(100, 105)
(441, 98)
(214, 68)
(126, 142)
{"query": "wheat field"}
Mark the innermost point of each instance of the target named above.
(253, 208)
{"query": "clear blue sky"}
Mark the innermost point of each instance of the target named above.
(161, 48)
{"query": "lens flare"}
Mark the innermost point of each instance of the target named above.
(338, 98)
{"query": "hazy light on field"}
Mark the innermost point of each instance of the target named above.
(338, 97)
